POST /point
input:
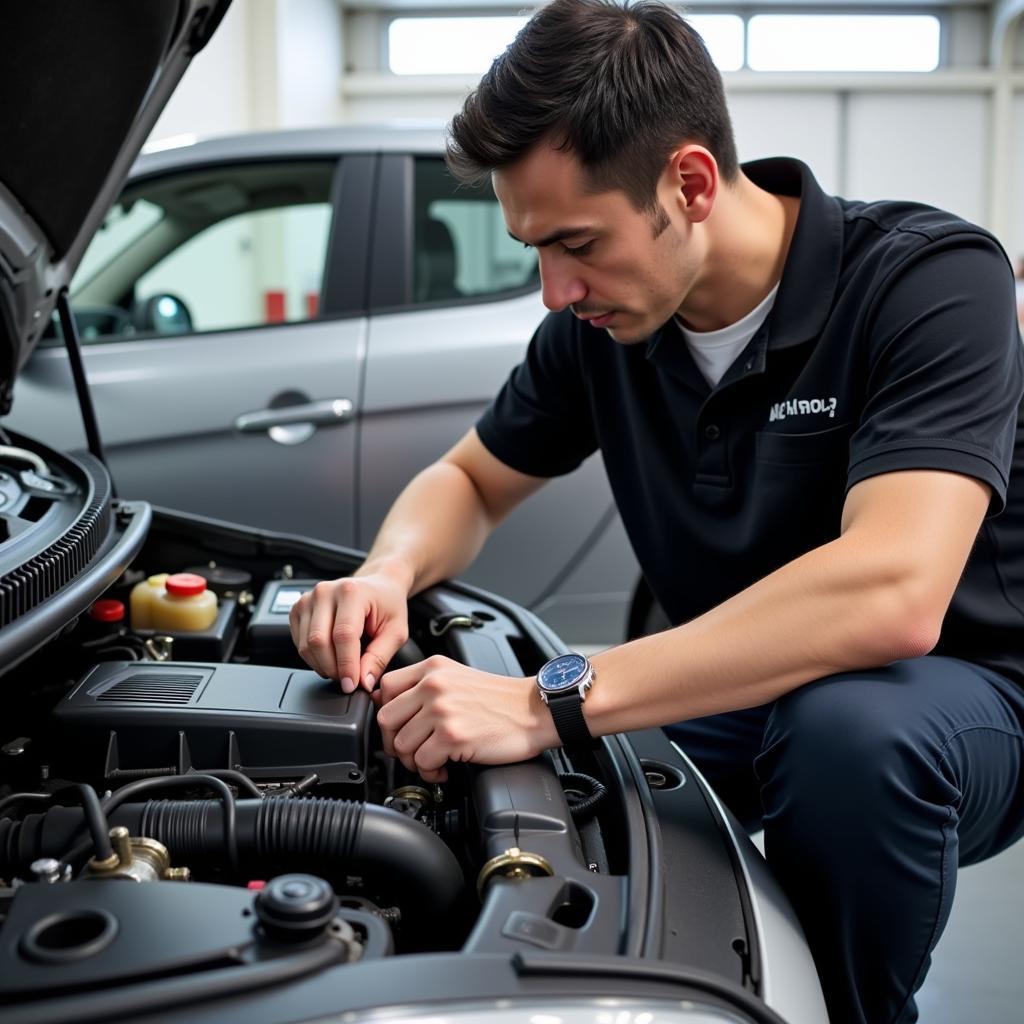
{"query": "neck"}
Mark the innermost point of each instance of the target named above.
(748, 236)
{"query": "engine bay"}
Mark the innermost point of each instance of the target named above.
(191, 819)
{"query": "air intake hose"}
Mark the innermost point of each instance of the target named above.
(333, 836)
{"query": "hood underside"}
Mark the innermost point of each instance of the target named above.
(83, 82)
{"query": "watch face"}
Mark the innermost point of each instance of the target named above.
(562, 673)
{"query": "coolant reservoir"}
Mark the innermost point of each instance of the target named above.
(184, 604)
(141, 600)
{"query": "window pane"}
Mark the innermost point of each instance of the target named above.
(723, 36)
(124, 226)
(461, 247)
(448, 46)
(841, 42)
(233, 246)
(255, 268)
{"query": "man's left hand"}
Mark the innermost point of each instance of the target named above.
(438, 711)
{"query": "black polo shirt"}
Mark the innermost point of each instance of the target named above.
(892, 345)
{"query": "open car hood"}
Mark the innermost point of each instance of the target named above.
(82, 85)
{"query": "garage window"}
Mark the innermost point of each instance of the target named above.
(844, 42)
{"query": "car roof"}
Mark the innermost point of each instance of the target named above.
(427, 138)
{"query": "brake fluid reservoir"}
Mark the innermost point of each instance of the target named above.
(184, 604)
(141, 600)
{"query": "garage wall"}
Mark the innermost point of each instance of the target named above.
(930, 148)
(214, 96)
(807, 126)
(1016, 233)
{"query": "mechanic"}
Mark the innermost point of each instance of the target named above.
(808, 409)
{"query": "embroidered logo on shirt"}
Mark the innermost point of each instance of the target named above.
(803, 407)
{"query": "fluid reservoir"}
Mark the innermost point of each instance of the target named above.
(141, 600)
(184, 604)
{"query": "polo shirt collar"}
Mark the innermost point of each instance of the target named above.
(811, 273)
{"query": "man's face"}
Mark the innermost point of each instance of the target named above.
(610, 263)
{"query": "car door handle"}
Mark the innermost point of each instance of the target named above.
(321, 414)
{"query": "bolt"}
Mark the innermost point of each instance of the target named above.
(46, 869)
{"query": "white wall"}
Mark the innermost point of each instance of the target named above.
(804, 125)
(270, 64)
(214, 95)
(929, 148)
(1015, 239)
(311, 63)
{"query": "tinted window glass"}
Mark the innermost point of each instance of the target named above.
(461, 247)
(208, 250)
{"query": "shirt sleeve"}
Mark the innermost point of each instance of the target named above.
(945, 369)
(540, 423)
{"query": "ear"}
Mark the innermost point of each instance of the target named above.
(692, 176)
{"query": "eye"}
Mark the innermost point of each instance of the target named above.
(579, 250)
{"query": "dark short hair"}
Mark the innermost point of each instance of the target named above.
(618, 86)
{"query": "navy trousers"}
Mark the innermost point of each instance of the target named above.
(872, 787)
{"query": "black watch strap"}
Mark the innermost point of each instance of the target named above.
(567, 713)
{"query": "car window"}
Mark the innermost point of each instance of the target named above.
(460, 246)
(208, 250)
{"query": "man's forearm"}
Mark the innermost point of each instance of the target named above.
(876, 594)
(839, 607)
(435, 529)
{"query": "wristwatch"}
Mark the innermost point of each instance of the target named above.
(563, 683)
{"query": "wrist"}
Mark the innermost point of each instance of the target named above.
(396, 569)
(543, 730)
(563, 684)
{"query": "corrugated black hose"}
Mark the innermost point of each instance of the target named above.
(310, 833)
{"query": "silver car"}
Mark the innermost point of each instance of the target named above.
(283, 328)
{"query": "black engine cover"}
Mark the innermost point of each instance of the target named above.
(127, 719)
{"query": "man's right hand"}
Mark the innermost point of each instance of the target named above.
(328, 623)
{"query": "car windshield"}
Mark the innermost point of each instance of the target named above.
(127, 223)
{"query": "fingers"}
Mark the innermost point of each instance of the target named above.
(401, 679)
(408, 733)
(379, 651)
(327, 625)
(349, 613)
(408, 742)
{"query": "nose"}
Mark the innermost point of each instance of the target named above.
(560, 283)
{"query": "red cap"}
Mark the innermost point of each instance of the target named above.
(107, 610)
(256, 884)
(185, 584)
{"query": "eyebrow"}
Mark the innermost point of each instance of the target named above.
(558, 235)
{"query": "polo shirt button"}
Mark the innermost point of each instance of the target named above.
(711, 432)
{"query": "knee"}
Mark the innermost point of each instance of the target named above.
(839, 735)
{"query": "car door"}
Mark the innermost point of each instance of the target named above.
(223, 330)
(454, 302)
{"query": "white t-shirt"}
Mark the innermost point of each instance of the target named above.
(715, 351)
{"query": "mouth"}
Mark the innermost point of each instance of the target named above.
(597, 321)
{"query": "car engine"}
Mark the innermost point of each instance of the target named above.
(189, 817)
